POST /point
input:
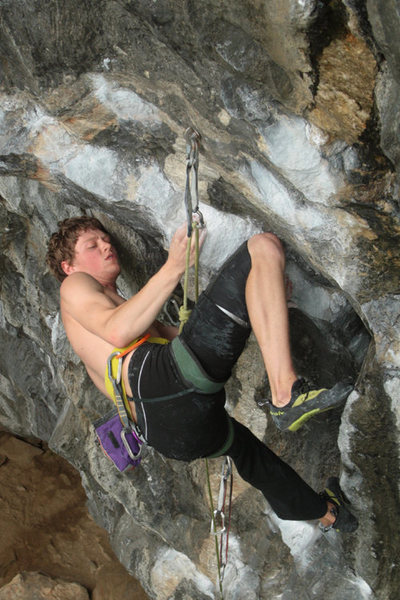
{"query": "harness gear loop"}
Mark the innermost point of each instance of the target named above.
(116, 383)
(131, 347)
(128, 425)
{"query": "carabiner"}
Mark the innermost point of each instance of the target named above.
(167, 311)
(200, 221)
(132, 455)
(109, 367)
(191, 189)
(192, 148)
(221, 515)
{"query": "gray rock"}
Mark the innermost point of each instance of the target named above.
(385, 22)
(95, 99)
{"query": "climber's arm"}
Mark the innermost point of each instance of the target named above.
(88, 302)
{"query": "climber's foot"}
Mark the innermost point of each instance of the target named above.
(344, 521)
(306, 402)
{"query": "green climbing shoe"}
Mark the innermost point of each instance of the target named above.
(306, 402)
(345, 521)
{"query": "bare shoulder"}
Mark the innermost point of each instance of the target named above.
(80, 293)
(80, 283)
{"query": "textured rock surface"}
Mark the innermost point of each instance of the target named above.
(297, 103)
(45, 526)
(35, 586)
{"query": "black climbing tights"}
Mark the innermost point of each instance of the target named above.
(184, 424)
(289, 496)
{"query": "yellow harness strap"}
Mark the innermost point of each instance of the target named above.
(116, 367)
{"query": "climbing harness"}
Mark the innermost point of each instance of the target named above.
(117, 433)
(119, 436)
(220, 519)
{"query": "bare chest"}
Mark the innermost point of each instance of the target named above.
(91, 349)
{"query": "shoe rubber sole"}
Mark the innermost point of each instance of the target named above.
(295, 416)
(305, 417)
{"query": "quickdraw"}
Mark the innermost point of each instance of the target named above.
(192, 182)
(220, 520)
(194, 217)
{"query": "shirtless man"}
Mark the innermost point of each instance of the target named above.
(178, 417)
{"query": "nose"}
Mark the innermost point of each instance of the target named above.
(106, 245)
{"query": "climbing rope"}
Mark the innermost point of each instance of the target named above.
(220, 520)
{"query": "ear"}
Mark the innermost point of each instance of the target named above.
(67, 267)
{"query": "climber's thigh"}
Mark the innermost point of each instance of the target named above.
(218, 327)
(227, 289)
(175, 419)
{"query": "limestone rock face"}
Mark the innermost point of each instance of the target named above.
(35, 586)
(45, 526)
(297, 105)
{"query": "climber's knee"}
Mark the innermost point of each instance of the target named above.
(266, 246)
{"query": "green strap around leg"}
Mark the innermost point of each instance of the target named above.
(192, 371)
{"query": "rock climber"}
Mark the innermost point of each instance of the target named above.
(180, 415)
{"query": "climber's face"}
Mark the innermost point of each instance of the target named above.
(95, 255)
